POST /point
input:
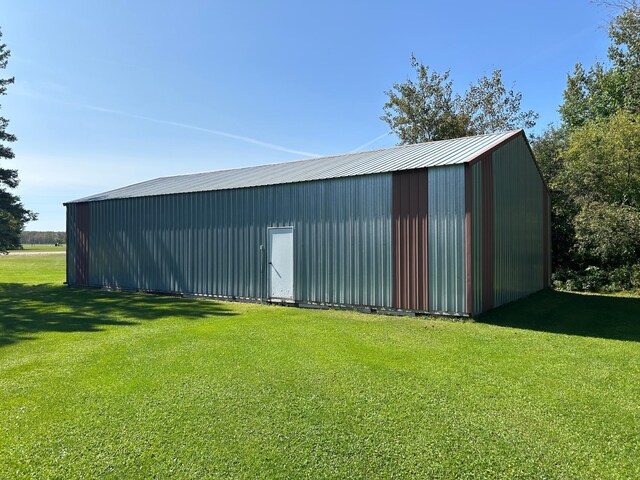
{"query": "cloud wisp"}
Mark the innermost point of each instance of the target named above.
(187, 126)
(370, 142)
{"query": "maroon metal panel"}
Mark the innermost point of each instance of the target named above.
(82, 243)
(487, 233)
(410, 269)
(545, 238)
(467, 239)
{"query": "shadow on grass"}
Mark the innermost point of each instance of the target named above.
(26, 310)
(601, 316)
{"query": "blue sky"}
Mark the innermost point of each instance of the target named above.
(115, 92)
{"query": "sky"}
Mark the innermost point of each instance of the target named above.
(109, 93)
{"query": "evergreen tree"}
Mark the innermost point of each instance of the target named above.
(13, 215)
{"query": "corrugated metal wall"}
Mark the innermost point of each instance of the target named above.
(71, 243)
(82, 243)
(78, 244)
(546, 201)
(518, 223)
(209, 242)
(549, 243)
(488, 233)
(410, 266)
(476, 235)
(446, 228)
(357, 240)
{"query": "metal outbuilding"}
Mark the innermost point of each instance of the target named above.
(455, 226)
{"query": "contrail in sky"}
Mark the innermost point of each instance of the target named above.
(370, 142)
(220, 133)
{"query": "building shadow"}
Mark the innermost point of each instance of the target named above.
(600, 316)
(27, 310)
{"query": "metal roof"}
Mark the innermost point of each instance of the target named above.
(402, 157)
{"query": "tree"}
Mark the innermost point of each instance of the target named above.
(593, 172)
(42, 238)
(592, 165)
(602, 161)
(593, 94)
(602, 174)
(548, 149)
(607, 235)
(600, 92)
(490, 107)
(426, 108)
(624, 31)
(13, 215)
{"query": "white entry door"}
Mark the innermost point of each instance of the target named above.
(280, 260)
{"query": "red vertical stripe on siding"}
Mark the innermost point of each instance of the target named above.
(487, 233)
(82, 243)
(410, 268)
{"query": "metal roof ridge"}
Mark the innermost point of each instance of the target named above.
(506, 135)
(383, 160)
(289, 162)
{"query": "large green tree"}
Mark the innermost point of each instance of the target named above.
(592, 165)
(591, 94)
(600, 92)
(602, 175)
(549, 148)
(425, 108)
(624, 52)
(13, 215)
(602, 161)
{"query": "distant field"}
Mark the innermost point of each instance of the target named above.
(97, 384)
(41, 248)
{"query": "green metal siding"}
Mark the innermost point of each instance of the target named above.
(446, 240)
(549, 243)
(71, 243)
(209, 242)
(476, 235)
(518, 228)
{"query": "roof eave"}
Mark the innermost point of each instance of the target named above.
(492, 148)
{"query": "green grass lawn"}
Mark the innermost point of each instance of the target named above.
(41, 248)
(108, 385)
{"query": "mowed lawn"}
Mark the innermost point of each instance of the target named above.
(111, 385)
(36, 247)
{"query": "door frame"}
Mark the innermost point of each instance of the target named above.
(293, 264)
